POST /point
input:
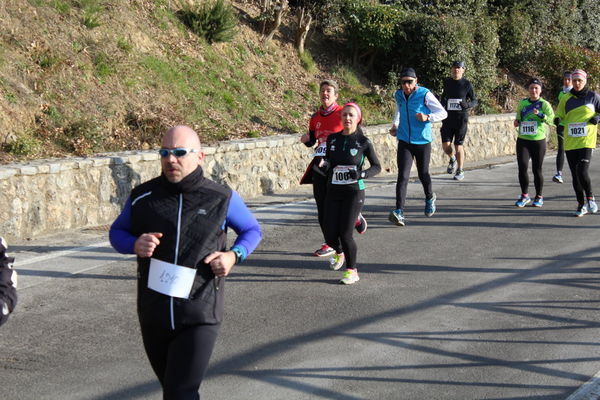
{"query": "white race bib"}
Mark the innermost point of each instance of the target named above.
(320, 150)
(454, 105)
(341, 175)
(578, 129)
(170, 279)
(528, 127)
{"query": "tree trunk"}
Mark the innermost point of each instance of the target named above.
(265, 6)
(304, 21)
(279, 10)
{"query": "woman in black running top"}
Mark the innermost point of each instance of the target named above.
(345, 156)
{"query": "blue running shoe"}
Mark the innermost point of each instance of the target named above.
(592, 206)
(557, 178)
(430, 206)
(538, 201)
(397, 217)
(523, 201)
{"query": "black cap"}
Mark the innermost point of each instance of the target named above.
(534, 81)
(409, 72)
(567, 74)
(458, 64)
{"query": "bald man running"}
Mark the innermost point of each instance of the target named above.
(177, 224)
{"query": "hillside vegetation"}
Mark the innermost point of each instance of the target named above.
(78, 77)
(84, 76)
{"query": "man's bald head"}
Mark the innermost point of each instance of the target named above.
(177, 168)
(181, 136)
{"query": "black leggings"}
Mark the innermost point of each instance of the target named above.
(579, 164)
(536, 150)
(320, 192)
(341, 211)
(560, 155)
(180, 358)
(404, 158)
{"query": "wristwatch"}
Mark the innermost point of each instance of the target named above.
(239, 256)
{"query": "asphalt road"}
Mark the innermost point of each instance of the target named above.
(481, 301)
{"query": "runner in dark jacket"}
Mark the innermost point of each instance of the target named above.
(345, 157)
(177, 224)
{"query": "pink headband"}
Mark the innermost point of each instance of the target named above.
(579, 74)
(357, 108)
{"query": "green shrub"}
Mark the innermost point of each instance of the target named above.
(430, 43)
(214, 21)
(23, 146)
(307, 61)
(370, 27)
(91, 12)
(557, 58)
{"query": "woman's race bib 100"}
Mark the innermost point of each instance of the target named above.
(341, 175)
(454, 105)
(320, 150)
(578, 129)
(528, 127)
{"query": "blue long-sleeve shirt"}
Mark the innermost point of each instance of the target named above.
(239, 218)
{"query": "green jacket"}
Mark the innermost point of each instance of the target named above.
(532, 126)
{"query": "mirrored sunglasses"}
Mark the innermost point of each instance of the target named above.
(178, 152)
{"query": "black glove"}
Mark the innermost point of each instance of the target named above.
(464, 104)
(594, 120)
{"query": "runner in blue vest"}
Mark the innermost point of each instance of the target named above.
(417, 108)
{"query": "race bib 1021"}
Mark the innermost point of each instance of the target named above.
(578, 129)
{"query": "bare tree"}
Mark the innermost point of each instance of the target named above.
(307, 12)
(304, 19)
(278, 8)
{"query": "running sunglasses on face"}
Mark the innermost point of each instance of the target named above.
(178, 152)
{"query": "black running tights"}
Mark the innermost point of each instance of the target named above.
(560, 154)
(534, 150)
(180, 358)
(341, 211)
(404, 157)
(320, 192)
(579, 164)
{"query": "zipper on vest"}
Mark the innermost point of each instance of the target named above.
(179, 209)
(407, 116)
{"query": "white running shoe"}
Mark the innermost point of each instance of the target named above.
(336, 261)
(350, 276)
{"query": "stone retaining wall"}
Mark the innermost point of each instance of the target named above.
(55, 195)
